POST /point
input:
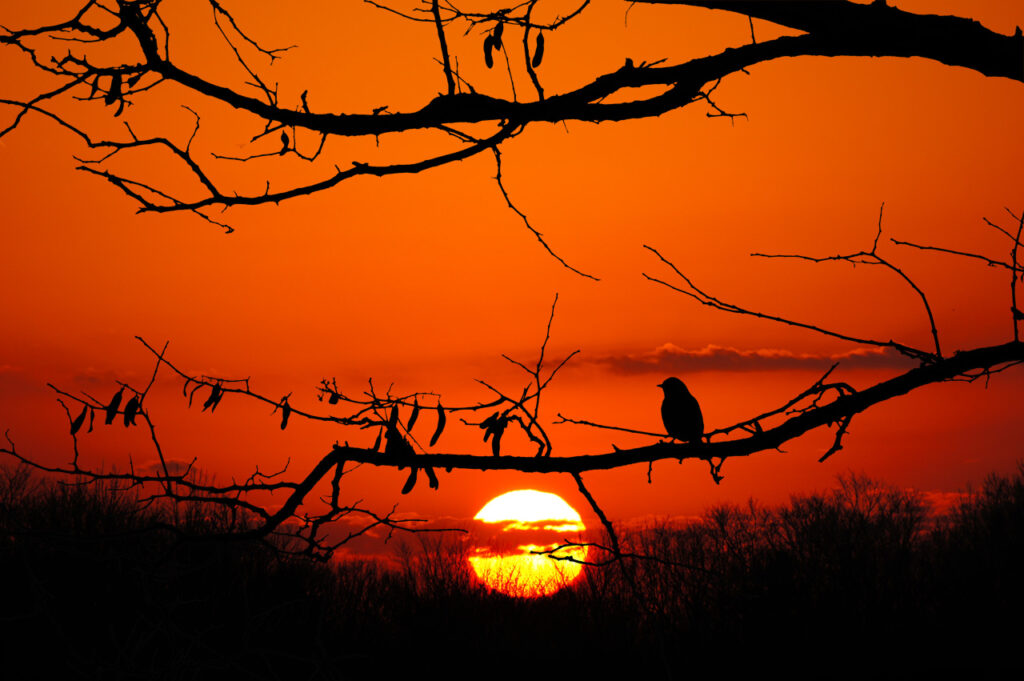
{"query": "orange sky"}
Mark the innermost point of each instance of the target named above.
(424, 281)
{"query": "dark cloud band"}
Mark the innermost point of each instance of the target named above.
(671, 359)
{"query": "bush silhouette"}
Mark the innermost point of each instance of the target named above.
(862, 573)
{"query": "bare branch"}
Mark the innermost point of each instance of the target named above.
(526, 221)
(870, 258)
(704, 298)
(444, 46)
(966, 254)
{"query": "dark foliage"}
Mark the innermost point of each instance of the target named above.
(862, 577)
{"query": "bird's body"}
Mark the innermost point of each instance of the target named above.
(680, 412)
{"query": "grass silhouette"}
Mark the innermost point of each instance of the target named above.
(863, 576)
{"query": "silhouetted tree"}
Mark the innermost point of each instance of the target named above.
(84, 66)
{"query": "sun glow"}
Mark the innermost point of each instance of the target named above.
(512, 529)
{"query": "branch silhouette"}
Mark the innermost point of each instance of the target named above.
(825, 403)
(88, 72)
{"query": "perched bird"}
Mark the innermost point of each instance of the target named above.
(680, 412)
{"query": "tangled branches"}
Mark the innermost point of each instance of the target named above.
(120, 52)
(313, 501)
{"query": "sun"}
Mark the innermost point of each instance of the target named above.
(511, 528)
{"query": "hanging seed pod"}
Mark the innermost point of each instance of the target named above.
(495, 426)
(192, 394)
(488, 47)
(115, 90)
(115, 402)
(488, 423)
(214, 397)
(410, 481)
(76, 425)
(431, 477)
(415, 414)
(286, 411)
(130, 411)
(496, 442)
(538, 51)
(440, 424)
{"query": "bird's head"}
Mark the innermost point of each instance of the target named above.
(673, 386)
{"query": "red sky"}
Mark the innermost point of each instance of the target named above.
(424, 281)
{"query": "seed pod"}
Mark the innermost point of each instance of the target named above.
(488, 423)
(334, 398)
(488, 46)
(192, 394)
(130, 410)
(76, 425)
(498, 30)
(538, 52)
(496, 442)
(115, 90)
(115, 401)
(497, 429)
(284, 143)
(414, 415)
(410, 481)
(286, 411)
(431, 477)
(214, 397)
(440, 424)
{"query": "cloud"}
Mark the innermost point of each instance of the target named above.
(174, 467)
(92, 378)
(671, 359)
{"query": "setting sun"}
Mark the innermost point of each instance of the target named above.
(512, 528)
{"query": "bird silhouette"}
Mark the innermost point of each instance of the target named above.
(680, 412)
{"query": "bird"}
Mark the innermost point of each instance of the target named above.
(680, 412)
